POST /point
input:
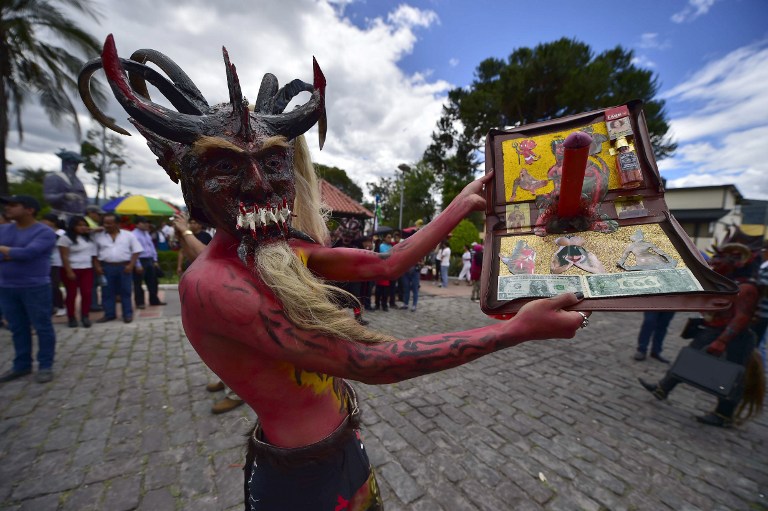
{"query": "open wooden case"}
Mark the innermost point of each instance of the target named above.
(623, 249)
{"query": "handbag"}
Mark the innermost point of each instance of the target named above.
(692, 327)
(713, 375)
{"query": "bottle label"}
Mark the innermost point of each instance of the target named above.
(628, 162)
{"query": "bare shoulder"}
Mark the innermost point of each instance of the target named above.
(217, 294)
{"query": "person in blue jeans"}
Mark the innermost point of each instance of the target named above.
(118, 253)
(411, 284)
(654, 327)
(25, 287)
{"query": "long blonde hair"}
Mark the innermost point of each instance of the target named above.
(308, 302)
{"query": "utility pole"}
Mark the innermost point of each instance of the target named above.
(403, 168)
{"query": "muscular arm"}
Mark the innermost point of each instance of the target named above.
(345, 264)
(225, 306)
(744, 308)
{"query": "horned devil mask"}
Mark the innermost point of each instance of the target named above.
(235, 165)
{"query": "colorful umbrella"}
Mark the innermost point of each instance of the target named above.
(139, 205)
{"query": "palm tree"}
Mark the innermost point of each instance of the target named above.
(33, 67)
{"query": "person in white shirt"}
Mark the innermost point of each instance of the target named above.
(118, 251)
(78, 254)
(466, 264)
(445, 262)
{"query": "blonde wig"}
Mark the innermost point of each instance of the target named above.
(308, 302)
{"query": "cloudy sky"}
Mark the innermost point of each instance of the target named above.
(390, 64)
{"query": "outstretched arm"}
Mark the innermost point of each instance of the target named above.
(254, 318)
(344, 264)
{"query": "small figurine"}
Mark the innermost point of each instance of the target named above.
(647, 255)
(572, 253)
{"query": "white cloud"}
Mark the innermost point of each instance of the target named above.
(650, 40)
(378, 116)
(453, 62)
(722, 127)
(643, 61)
(693, 10)
(727, 94)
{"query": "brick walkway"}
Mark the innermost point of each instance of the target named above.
(555, 425)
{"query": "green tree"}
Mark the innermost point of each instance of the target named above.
(339, 178)
(29, 182)
(463, 234)
(552, 80)
(103, 153)
(31, 66)
(418, 183)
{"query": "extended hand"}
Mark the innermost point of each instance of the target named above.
(546, 319)
(716, 348)
(473, 192)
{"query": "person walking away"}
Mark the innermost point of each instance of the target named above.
(57, 296)
(466, 265)
(445, 263)
(655, 324)
(476, 271)
(78, 255)
(118, 250)
(146, 270)
(25, 287)
(727, 332)
(382, 285)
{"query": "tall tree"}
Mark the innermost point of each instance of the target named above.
(103, 153)
(31, 66)
(339, 178)
(552, 80)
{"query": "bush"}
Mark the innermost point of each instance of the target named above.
(167, 261)
(464, 234)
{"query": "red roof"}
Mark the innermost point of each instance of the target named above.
(340, 203)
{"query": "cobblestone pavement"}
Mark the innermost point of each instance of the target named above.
(555, 425)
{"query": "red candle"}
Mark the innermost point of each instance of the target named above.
(575, 157)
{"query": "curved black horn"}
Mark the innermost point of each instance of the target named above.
(267, 90)
(297, 121)
(179, 127)
(286, 94)
(180, 79)
(84, 87)
(301, 119)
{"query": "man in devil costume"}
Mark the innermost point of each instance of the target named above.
(252, 305)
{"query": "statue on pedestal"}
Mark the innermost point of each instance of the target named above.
(63, 190)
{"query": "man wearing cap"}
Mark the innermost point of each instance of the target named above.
(118, 251)
(147, 263)
(25, 286)
(63, 190)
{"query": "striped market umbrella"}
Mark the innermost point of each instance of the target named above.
(139, 205)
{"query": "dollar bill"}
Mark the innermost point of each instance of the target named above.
(512, 287)
(652, 282)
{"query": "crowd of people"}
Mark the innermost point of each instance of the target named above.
(99, 259)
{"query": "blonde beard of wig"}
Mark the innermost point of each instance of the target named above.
(308, 302)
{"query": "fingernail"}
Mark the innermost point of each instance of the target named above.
(579, 295)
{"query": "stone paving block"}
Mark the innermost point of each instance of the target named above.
(85, 498)
(156, 500)
(481, 496)
(39, 503)
(38, 484)
(123, 493)
(404, 486)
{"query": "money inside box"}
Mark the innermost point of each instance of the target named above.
(577, 204)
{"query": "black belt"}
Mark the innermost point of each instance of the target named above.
(116, 264)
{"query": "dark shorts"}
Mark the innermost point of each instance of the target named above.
(331, 475)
